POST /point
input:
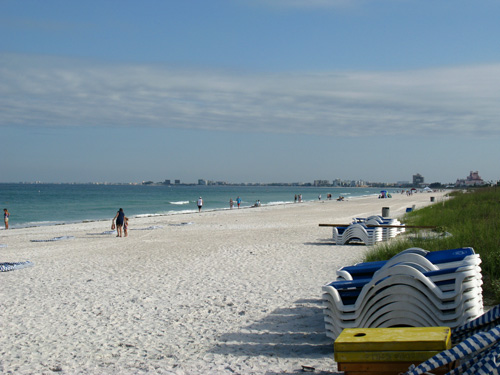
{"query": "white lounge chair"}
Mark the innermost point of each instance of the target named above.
(423, 289)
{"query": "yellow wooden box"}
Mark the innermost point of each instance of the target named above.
(405, 344)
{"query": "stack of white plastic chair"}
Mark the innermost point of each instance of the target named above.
(414, 288)
(387, 233)
(357, 232)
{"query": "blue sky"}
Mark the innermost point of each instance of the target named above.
(249, 90)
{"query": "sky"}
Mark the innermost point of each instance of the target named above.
(249, 90)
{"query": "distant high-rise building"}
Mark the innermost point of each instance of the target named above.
(202, 182)
(418, 179)
(177, 182)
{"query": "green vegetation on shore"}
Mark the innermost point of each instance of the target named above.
(469, 219)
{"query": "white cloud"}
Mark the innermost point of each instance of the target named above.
(43, 91)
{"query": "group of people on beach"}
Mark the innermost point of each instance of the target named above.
(120, 221)
(199, 203)
(231, 203)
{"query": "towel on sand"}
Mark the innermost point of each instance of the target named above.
(7, 266)
(55, 239)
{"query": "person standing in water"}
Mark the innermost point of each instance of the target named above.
(200, 204)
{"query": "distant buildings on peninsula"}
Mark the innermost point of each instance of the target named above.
(417, 181)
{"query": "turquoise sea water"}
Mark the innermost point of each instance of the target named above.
(50, 204)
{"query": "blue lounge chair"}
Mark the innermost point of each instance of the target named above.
(408, 288)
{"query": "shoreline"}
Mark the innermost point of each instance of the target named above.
(170, 213)
(237, 291)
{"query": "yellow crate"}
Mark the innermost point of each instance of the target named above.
(393, 339)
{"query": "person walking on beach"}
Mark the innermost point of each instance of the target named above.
(200, 204)
(6, 215)
(231, 204)
(238, 201)
(119, 219)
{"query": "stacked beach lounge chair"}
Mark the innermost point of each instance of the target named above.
(357, 232)
(368, 230)
(415, 288)
(389, 226)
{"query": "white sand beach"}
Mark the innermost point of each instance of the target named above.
(227, 292)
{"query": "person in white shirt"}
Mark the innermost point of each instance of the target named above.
(200, 204)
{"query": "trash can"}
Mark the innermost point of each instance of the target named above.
(386, 212)
(432, 199)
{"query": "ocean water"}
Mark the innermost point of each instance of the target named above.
(50, 204)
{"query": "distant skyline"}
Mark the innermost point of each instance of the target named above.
(249, 91)
(323, 182)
